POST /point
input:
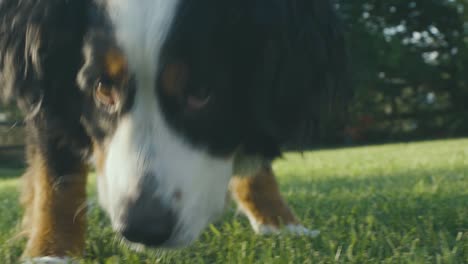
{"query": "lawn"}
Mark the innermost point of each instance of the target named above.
(402, 203)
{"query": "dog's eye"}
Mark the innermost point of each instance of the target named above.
(197, 99)
(176, 83)
(106, 95)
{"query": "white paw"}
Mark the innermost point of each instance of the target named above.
(301, 230)
(50, 260)
(288, 229)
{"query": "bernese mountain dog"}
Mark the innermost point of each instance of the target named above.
(176, 103)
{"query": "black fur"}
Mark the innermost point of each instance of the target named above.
(300, 76)
(275, 66)
(40, 54)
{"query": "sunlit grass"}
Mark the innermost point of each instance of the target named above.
(403, 203)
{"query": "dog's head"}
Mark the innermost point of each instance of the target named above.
(176, 94)
(177, 90)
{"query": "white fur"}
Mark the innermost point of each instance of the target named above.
(263, 229)
(292, 229)
(144, 143)
(49, 260)
(141, 28)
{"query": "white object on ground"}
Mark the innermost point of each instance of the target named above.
(50, 260)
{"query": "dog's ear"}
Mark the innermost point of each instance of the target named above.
(300, 75)
(40, 47)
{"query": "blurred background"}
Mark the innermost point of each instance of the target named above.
(409, 67)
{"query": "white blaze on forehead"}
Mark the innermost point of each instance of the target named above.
(144, 144)
(141, 27)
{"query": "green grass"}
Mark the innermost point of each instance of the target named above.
(404, 203)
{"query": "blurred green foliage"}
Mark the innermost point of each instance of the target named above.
(409, 63)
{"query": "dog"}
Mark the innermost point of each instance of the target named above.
(177, 103)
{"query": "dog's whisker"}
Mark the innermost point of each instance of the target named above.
(80, 209)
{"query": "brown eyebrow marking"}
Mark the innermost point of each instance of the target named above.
(115, 64)
(174, 78)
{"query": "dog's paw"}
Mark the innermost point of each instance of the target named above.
(50, 260)
(301, 230)
(293, 229)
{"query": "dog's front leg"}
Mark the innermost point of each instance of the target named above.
(259, 198)
(54, 196)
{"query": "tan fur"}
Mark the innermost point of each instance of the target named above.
(174, 79)
(27, 199)
(55, 216)
(259, 197)
(116, 64)
(99, 158)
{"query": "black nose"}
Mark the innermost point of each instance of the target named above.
(149, 231)
(147, 221)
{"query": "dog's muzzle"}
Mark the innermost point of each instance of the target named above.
(147, 221)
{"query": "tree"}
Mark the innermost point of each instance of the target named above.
(409, 63)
